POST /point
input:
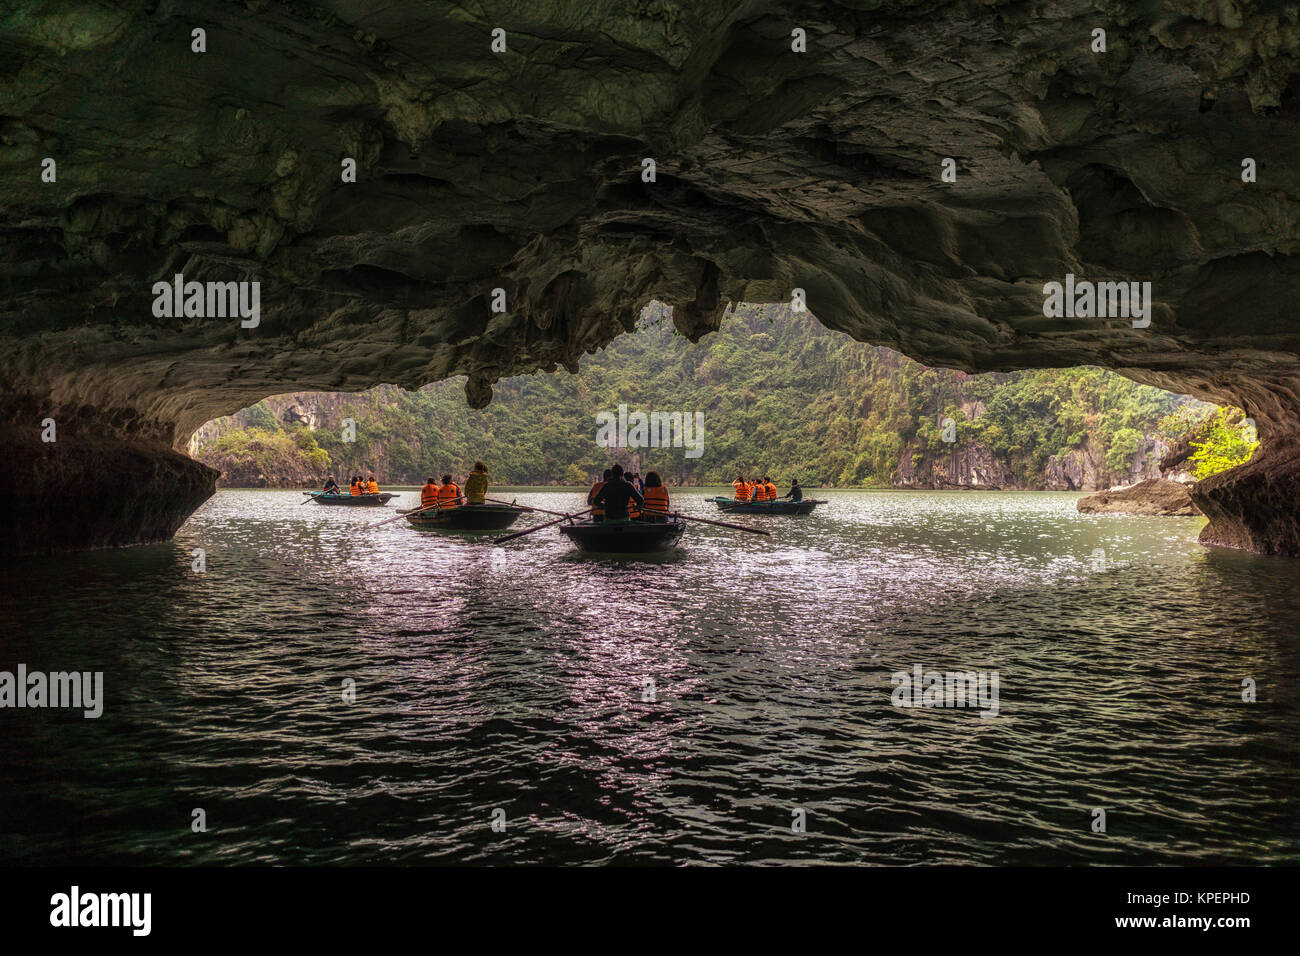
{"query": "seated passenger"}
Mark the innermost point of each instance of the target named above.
(372, 486)
(656, 497)
(597, 512)
(743, 488)
(449, 493)
(429, 493)
(356, 485)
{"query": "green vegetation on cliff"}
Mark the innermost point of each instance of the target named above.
(780, 394)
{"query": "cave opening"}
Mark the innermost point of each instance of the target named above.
(773, 389)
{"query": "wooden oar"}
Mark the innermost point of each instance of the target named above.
(498, 501)
(720, 524)
(433, 507)
(520, 534)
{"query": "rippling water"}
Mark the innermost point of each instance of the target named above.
(515, 678)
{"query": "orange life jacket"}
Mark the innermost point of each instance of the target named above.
(656, 500)
(743, 488)
(760, 493)
(771, 491)
(448, 494)
(591, 495)
(372, 487)
(356, 490)
(428, 495)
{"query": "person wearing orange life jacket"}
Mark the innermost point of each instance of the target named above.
(356, 485)
(633, 512)
(598, 511)
(449, 493)
(743, 488)
(656, 498)
(758, 492)
(372, 486)
(771, 488)
(429, 493)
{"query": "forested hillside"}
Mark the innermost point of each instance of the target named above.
(779, 393)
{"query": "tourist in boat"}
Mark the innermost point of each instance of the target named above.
(655, 497)
(356, 484)
(476, 485)
(796, 493)
(597, 512)
(633, 479)
(372, 486)
(449, 493)
(759, 493)
(617, 495)
(331, 486)
(770, 488)
(429, 493)
(743, 488)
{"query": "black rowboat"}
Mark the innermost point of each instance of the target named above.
(624, 537)
(466, 518)
(787, 507)
(352, 501)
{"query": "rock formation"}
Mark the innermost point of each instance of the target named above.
(1155, 496)
(129, 157)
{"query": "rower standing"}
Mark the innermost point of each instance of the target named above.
(476, 485)
(617, 495)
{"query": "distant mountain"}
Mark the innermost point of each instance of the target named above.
(779, 394)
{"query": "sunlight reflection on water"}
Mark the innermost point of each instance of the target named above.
(667, 709)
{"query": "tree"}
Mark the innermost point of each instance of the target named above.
(1223, 442)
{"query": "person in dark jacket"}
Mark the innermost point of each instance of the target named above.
(616, 494)
(796, 493)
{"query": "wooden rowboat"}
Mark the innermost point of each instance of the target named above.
(624, 537)
(484, 517)
(787, 507)
(352, 501)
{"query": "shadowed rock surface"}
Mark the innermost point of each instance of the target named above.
(1155, 496)
(521, 171)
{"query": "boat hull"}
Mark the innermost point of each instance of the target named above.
(624, 537)
(466, 518)
(732, 506)
(353, 501)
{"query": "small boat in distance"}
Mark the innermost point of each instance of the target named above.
(624, 537)
(485, 517)
(352, 501)
(787, 507)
